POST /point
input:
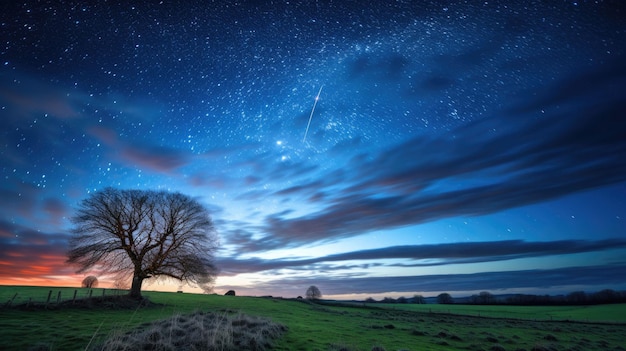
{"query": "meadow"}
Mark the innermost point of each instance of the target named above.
(313, 326)
(610, 313)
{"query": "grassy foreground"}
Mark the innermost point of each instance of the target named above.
(312, 326)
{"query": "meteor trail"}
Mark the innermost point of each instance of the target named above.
(311, 115)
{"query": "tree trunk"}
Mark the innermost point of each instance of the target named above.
(135, 289)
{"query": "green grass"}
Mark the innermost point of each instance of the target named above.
(317, 327)
(598, 313)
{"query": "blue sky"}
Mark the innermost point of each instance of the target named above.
(450, 147)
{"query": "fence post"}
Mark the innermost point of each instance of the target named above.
(103, 290)
(11, 301)
(74, 298)
(48, 300)
(59, 297)
(90, 292)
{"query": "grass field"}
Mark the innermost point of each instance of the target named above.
(597, 313)
(322, 327)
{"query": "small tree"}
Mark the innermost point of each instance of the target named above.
(577, 297)
(89, 282)
(486, 297)
(419, 299)
(444, 298)
(313, 293)
(388, 300)
(146, 234)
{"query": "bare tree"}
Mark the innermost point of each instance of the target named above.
(146, 234)
(313, 293)
(89, 282)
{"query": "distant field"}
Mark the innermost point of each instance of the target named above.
(597, 313)
(315, 327)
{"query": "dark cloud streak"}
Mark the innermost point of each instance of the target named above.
(28, 252)
(473, 252)
(544, 148)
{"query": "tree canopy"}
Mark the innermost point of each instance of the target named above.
(89, 282)
(313, 293)
(146, 234)
(444, 298)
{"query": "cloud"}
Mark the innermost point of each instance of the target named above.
(591, 276)
(26, 97)
(152, 157)
(438, 254)
(25, 252)
(19, 200)
(564, 140)
(242, 236)
(56, 209)
(162, 159)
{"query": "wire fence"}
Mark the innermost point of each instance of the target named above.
(25, 297)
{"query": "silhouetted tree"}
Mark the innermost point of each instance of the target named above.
(89, 282)
(444, 298)
(485, 297)
(230, 293)
(401, 299)
(577, 297)
(146, 234)
(313, 293)
(419, 299)
(605, 296)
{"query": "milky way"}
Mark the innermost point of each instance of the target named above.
(439, 125)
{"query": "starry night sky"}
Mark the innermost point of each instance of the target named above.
(451, 146)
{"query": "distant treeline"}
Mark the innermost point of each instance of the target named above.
(574, 298)
(605, 296)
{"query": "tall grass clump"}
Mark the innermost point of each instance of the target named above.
(199, 331)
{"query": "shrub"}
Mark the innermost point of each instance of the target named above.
(199, 331)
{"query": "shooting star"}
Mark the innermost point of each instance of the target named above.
(311, 115)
